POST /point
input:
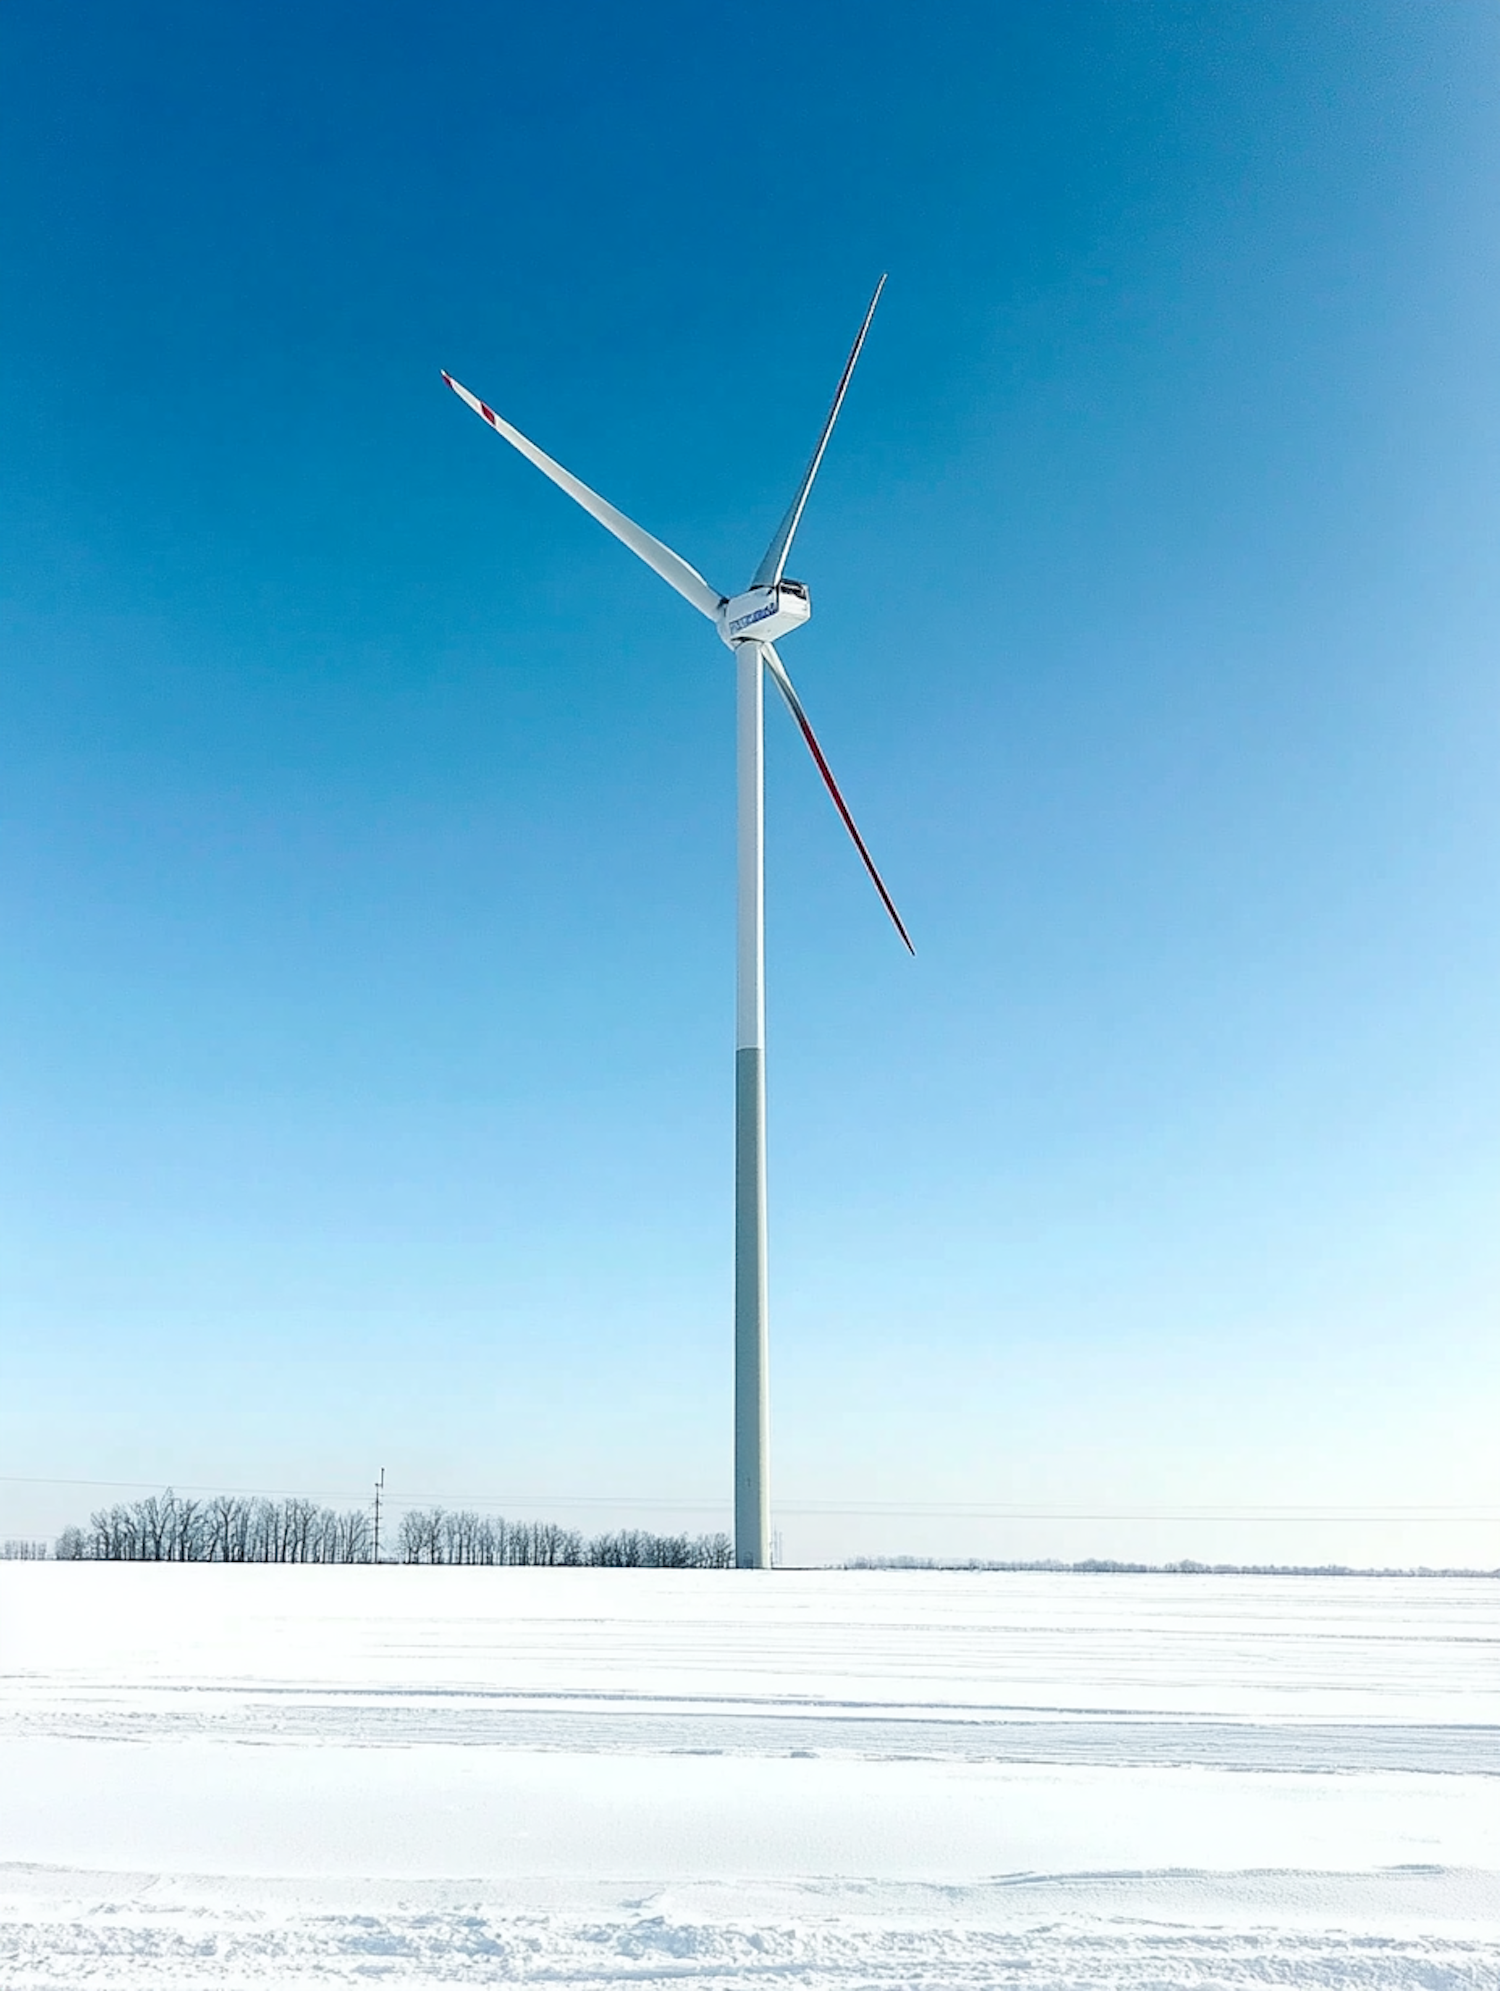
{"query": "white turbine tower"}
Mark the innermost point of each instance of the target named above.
(771, 606)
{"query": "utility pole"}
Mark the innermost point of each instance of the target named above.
(379, 1489)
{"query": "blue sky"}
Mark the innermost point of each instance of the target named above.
(367, 832)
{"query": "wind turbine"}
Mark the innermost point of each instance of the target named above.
(749, 623)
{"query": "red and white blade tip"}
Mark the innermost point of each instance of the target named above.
(479, 407)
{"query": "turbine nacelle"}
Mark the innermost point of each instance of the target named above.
(760, 615)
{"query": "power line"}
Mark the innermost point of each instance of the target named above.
(810, 1509)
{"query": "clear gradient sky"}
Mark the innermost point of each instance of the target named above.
(367, 811)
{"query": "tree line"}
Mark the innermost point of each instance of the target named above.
(231, 1527)
(437, 1535)
(238, 1528)
(1099, 1566)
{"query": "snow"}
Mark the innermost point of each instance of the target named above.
(225, 1776)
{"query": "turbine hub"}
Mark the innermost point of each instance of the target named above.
(763, 614)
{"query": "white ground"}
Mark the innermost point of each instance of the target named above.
(224, 1777)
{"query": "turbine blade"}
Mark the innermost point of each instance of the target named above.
(770, 570)
(673, 569)
(794, 705)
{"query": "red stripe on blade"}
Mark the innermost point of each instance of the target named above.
(794, 706)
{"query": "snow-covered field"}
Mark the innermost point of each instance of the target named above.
(412, 1777)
